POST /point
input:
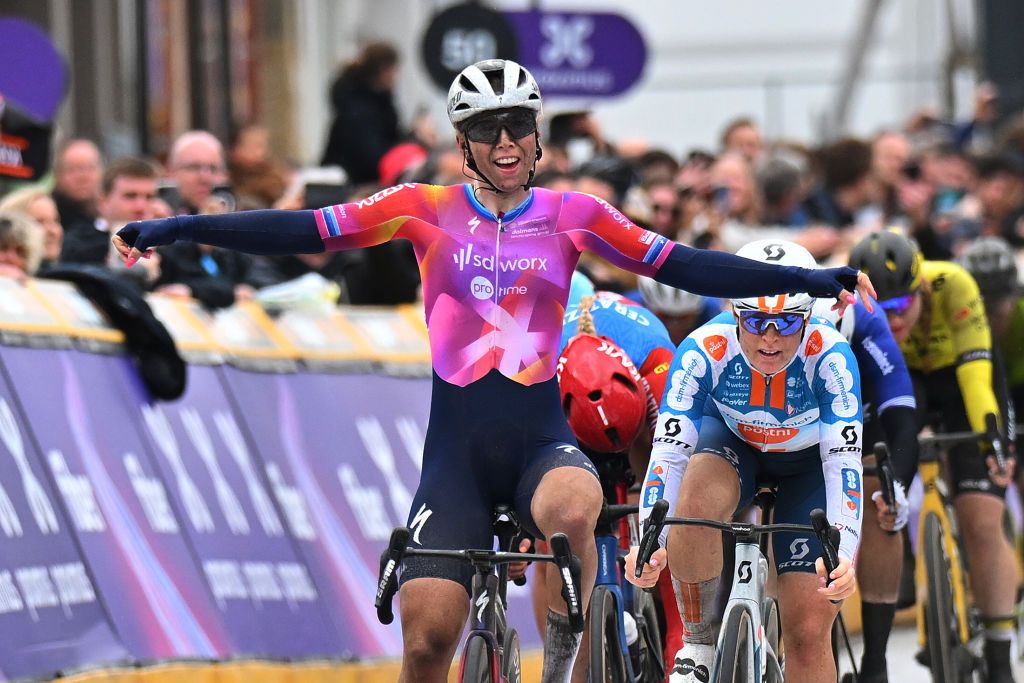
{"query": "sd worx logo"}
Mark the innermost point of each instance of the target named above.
(466, 258)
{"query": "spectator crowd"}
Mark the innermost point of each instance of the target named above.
(946, 183)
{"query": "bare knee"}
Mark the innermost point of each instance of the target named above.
(571, 508)
(429, 644)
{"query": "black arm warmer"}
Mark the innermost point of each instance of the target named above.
(255, 232)
(718, 274)
(899, 423)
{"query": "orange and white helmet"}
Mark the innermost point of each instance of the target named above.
(779, 253)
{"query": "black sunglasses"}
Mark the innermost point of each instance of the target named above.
(487, 128)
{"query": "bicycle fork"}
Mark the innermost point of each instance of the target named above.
(750, 576)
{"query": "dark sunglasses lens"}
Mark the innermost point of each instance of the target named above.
(488, 129)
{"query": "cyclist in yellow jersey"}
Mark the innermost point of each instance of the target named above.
(937, 315)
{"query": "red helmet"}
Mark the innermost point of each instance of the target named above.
(603, 395)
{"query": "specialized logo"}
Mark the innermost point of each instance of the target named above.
(481, 603)
(688, 667)
(743, 572)
(715, 345)
(766, 435)
(481, 287)
(418, 521)
(466, 258)
(474, 222)
(798, 549)
(852, 495)
(814, 344)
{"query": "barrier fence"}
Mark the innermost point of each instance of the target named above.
(242, 521)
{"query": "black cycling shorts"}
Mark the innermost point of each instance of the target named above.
(487, 443)
(940, 401)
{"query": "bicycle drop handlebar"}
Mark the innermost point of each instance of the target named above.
(827, 535)
(561, 555)
(991, 434)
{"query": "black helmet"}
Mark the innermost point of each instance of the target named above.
(992, 263)
(892, 261)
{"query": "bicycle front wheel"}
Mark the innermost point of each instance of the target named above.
(735, 660)
(477, 662)
(773, 638)
(940, 619)
(650, 652)
(607, 661)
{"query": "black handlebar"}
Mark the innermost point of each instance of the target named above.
(996, 439)
(883, 467)
(652, 531)
(568, 564)
(827, 535)
(387, 583)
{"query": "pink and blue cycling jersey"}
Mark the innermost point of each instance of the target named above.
(494, 290)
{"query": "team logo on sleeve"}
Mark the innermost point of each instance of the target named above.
(814, 344)
(654, 487)
(839, 382)
(686, 381)
(715, 345)
(852, 496)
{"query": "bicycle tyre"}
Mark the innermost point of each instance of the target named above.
(735, 660)
(773, 637)
(651, 667)
(607, 661)
(511, 664)
(477, 662)
(939, 618)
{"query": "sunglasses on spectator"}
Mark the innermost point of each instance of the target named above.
(487, 128)
(898, 305)
(757, 322)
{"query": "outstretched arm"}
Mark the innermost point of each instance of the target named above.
(597, 226)
(255, 232)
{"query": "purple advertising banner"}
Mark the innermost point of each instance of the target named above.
(84, 412)
(349, 449)
(51, 618)
(266, 595)
(579, 54)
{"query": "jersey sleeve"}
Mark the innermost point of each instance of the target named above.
(595, 225)
(837, 387)
(389, 214)
(881, 361)
(689, 384)
(972, 345)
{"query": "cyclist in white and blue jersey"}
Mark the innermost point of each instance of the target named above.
(764, 393)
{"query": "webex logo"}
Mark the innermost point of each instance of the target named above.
(465, 257)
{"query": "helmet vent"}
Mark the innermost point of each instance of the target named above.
(467, 84)
(594, 395)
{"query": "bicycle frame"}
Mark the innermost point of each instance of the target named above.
(609, 552)
(936, 502)
(748, 593)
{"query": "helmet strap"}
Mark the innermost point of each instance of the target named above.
(469, 162)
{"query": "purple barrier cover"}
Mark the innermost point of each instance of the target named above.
(83, 411)
(266, 595)
(51, 618)
(347, 450)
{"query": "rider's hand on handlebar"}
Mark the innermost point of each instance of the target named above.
(892, 520)
(844, 580)
(518, 569)
(659, 560)
(1001, 479)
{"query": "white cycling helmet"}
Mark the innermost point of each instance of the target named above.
(662, 298)
(823, 309)
(779, 253)
(489, 85)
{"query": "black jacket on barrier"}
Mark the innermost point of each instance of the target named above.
(146, 340)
